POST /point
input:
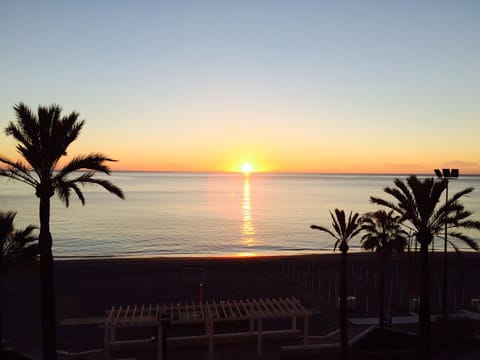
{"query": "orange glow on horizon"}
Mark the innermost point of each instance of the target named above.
(263, 161)
(232, 160)
(247, 254)
(419, 169)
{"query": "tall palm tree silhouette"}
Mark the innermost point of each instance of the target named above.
(383, 235)
(15, 246)
(418, 204)
(343, 231)
(43, 140)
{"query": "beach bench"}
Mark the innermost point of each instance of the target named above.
(159, 317)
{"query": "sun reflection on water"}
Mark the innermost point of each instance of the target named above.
(248, 228)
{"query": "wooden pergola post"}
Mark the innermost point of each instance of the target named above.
(259, 336)
(209, 325)
(109, 334)
(106, 345)
(305, 329)
(159, 340)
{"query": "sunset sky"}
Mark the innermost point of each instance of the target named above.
(289, 86)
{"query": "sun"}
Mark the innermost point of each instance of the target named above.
(247, 168)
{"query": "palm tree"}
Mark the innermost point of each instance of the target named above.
(43, 140)
(418, 204)
(15, 246)
(383, 235)
(343, 231)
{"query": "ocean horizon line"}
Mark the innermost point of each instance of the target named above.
(253, 173)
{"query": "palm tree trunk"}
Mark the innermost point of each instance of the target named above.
(424, 314)
(1, 303)
(343, 307)
(381, 292)
(49, 337)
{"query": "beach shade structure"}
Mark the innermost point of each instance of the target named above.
(159, 316)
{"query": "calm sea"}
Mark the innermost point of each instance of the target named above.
(199, 214)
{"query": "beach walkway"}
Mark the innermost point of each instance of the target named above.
(413, 318)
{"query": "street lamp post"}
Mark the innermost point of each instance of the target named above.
(445, 174)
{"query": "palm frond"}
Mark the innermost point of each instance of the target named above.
(324, 229)
(472, 243)
(94, 161)
(25, 235)
(337, 244)
(352, 225)
(6, 224)
(88, 178)
(24, 131)
(404, 196)
(16, 170)
(342, 231)
(460, 215)
(469, 224)
(64, 188)
(370, 242)
(388, 204)
(354, 233)
(15, 245)
(421, 208)
(382, 233)
(107, 185)
(339, 221)
(74, 127)
(78, 192)
(455, 197)
(43, 139)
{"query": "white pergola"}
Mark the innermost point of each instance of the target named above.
(208, 313)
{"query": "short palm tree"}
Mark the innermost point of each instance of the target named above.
(418, 205)
(15, 246)
(383, 235)
(43, 140)
(343, 231)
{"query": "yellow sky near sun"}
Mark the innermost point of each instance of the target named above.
(265, 160)
(287, 160)
(268, 156)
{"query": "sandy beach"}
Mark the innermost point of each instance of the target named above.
(85, 289)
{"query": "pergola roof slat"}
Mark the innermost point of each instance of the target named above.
(196, 311)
